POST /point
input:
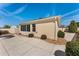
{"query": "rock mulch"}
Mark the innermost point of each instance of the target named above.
(59, 41)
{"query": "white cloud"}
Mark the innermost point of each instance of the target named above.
(14, 16)
(68, 20)
(2, 5)
(6, 13)
(47, 15)
(19, 10)
(2, 12)
(70, 13)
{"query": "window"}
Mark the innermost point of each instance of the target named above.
(28, 28)
(23, 27)
(34, 27)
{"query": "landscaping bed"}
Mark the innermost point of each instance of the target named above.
(76, 37)
(59, 41)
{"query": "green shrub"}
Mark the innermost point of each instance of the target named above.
(73, 27)
(77, 34)
(72, 48)
(78, 24)
(31, 35)
(60, 34)
(43, 37)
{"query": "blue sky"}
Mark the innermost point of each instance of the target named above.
(15, 13)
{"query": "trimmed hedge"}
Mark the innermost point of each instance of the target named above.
(31, 35)
(60, 34)
(72, 48)
(43, 37)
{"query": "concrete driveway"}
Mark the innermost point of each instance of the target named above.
(24, 46)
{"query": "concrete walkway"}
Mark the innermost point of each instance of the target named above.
(24, 46)
(69, 36)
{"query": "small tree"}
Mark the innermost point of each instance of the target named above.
(78, 24)
(7, 26)
(72, 27)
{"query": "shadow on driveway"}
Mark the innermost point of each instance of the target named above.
(59, 53)
(8, 36)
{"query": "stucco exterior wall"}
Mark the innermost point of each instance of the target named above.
(47, 29)
(56, 30)
(50, 29)
(62, 29)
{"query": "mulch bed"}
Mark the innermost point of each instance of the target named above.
(59, 41)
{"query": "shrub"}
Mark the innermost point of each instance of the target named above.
(73, 27)
(43, 36)
(31, 35)
(78, 24)
(77, 34)
(60, 34)
(72, 48)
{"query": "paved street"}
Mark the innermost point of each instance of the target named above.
(24, 46)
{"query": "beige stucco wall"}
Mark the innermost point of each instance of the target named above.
(62, 29)
(50, 29)
(56, 29)
(47, 29)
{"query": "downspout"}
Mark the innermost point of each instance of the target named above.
(57, 24)
(55, 36)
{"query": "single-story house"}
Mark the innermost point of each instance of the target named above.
(46, 26)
